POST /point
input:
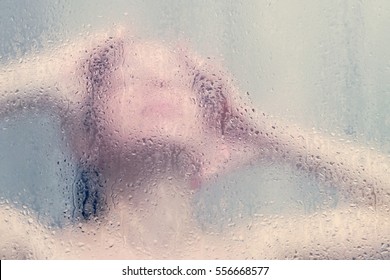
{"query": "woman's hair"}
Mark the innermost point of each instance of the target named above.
(97, 71)
(88, 193)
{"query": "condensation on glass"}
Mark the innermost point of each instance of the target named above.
(197, 130)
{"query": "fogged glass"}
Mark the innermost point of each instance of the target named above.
(206, 129)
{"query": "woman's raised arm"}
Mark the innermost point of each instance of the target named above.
(52, 79)
(358, 170)
(361, 172)
(42, 81)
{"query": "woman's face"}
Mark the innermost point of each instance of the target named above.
(151, 97)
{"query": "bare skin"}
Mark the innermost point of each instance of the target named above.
(157, 122)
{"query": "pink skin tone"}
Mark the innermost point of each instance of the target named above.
(151, 96)
(150, 100)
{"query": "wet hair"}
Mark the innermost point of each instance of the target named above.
(89, 200)
(215, 98)
(212, 100)
(97, 71)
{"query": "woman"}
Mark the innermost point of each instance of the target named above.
(147, 125)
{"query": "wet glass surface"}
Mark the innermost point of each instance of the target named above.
(207, 129)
